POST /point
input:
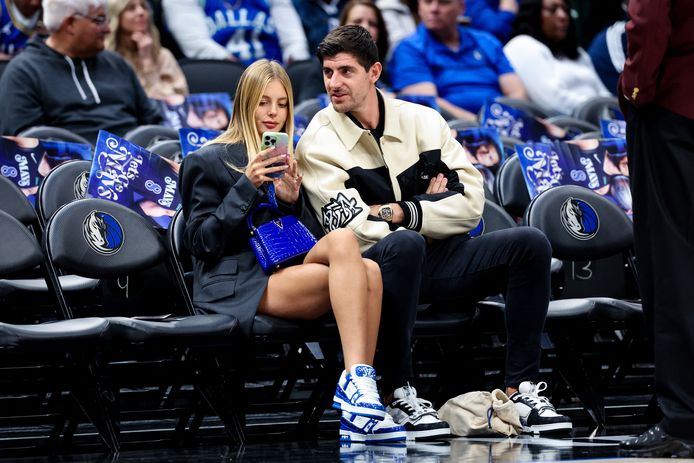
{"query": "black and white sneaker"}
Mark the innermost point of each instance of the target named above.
(537, 414)
(420, 420)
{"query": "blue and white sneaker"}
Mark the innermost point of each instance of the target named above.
(356, 393)
(355, 428)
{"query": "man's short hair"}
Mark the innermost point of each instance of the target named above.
(351, 39)
(55, 11)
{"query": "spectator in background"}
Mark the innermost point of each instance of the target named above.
(318, 18)
(18, 20)
(557, 73)
(135, 38)
(70, 81)
(400, 22)
(608, 52)
(366, 14)
(493, 16)
(244, 31)
(462, 67)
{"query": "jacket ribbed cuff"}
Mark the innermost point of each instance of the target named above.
(413, 214)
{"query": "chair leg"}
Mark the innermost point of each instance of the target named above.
(99, 404)
(223, 390)
(572, 368)
(322, 395)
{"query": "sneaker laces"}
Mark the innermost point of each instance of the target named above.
(538, 401)
(366, 387)
(415, 406)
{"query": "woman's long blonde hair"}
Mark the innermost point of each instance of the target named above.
(114, 40)
(249, 92)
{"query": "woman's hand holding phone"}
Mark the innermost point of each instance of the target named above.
(265, 166)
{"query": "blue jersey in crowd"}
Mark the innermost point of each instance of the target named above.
(245, 28)
(466, 77)
(13, 36)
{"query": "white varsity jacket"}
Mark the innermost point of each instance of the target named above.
(345, 172)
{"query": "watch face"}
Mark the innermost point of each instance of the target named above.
(386, 213)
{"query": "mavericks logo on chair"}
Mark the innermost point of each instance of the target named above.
(80, 185)
(103, 233)
(579, 219)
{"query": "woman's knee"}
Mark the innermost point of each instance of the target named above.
(343, 244)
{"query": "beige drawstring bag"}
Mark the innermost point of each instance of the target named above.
(481, 413)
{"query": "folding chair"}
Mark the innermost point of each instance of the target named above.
(45, 132)
(147, 135)
(48, 358)
(292, 336)
(100, 239)
(510, 188)
(211, 75)
(169, 149)
(582, 225)
(307, 79)
(595, 109)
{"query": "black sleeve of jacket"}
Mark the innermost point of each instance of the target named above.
(20, 102)
(213, 218)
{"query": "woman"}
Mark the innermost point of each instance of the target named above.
(220, 185)
(544, 51)
(366, 14)
(134, 37)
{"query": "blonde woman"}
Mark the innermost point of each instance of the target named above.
(136, 39)
(220, 185)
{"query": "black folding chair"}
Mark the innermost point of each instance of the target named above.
(45, 132)
(100, 239)
(169, 149)
(510, 188)
(38, 360)
(582, 225)
(147, 135)
(307, 79)
(211, 76)
(595, 109)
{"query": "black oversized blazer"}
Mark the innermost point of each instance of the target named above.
(216, 199)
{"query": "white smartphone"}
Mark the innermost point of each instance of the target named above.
(280, 141)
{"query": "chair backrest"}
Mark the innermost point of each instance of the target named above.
(573, 125)
(593, 135)
(15, 203)
(97, 238)
(169, 149)
(3, 65)
(308, 108)
(524, 105)
(19, 250)
(496, 218)
(307, 79)
(65, 183)
(181, 260)
(595, 109)
(461, 124)
(45, 132)
(580, 224)
(211, 75)
(146, 135)
(510, 188)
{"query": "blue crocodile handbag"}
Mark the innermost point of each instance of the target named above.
(279, 242)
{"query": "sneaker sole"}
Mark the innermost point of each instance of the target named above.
(347, 437)
(361, 411)
(548, 428)
(428, 434)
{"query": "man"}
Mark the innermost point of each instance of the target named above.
(493, 16)
(656, 98)
(70, 81)
(18, 19)
(462, 67)
(391, 171)
(243, 30)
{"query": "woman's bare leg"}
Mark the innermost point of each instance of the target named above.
(333, 275)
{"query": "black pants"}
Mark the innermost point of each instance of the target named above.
(515, 262)
(661, 166)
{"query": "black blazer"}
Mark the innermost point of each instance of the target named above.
(216, 200)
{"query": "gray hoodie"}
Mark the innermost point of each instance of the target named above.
(44, 87)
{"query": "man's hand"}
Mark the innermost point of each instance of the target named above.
(437, 185)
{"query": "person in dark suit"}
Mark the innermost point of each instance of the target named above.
(220, 185)
(656, 98)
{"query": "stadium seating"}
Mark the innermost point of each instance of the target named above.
(101, 239)
(307, 79)
(211, 75)
(44, 132)
(595, 109)
(147, 135)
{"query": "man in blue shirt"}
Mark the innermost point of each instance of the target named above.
(18, 19)
(493, 16)
(461, 67)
